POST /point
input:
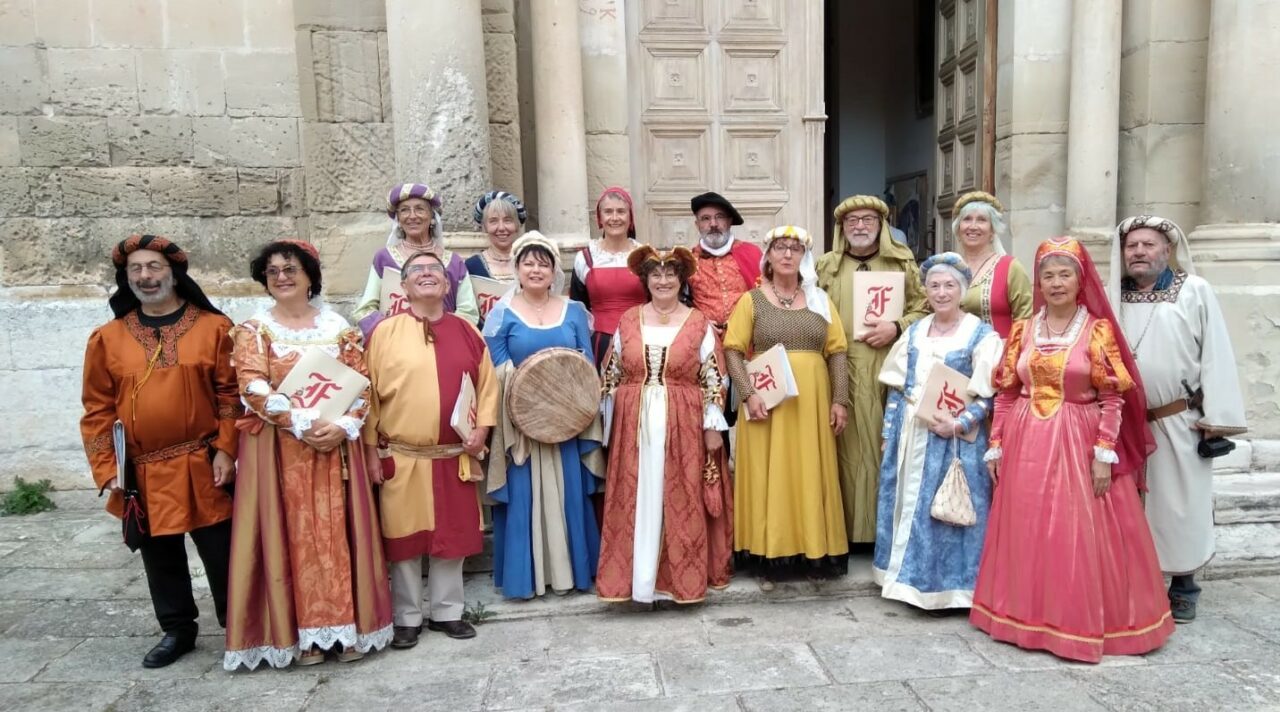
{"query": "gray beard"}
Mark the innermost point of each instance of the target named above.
(711, 240)
(165, 293)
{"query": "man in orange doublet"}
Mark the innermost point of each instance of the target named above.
(162, 368)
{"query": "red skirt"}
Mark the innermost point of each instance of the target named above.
(1063, 570)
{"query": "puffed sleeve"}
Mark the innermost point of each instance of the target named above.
(894, 371)
(98, 394)
(986, 354)
(1007, 385)
(712, 384)
(1110, 379)
(738, 336)
(351, 354)
(250, 356)
(1018, 286)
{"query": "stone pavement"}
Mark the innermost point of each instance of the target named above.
(75, 622)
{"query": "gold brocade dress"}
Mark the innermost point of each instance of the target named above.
(787, 506)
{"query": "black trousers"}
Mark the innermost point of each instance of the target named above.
(165, 560)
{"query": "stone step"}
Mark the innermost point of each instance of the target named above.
(1246, 498)
(742, 589)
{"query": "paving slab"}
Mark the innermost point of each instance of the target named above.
(62, 696)
(13, 612)
(564, 681)
(871, 696)
(1212, 638)
(24, 659)
(280, 691)
(1050, 691)
(73, 555)
(53, 584)
(754, 622)
(431, 687)
(702, 703)
(763, 666)
(627, 631)
(117, 659)
(81, 618)
(495, 643)
(1186, 687)
(906, 657)
(1268, 586)
(48, 526)
(1014, 659)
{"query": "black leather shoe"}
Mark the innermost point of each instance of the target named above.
(405, 636)
(460, 630)
(171, 647)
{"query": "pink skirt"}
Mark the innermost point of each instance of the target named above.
(1063, 570)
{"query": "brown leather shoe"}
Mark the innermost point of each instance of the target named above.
(461, 630)
(405, 636)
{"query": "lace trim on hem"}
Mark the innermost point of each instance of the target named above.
(1102, 454)
(250, 658)
(325, 637)
(377, 640)
(994, 453)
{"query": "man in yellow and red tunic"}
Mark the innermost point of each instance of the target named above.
(162, 368)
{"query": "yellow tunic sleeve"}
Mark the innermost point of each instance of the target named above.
(487, 393)
(916, 307)
(836, 341)
(739, 334)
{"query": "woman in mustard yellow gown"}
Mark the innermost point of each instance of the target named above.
(788, 515)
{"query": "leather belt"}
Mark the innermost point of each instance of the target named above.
(1166, 410)
(168, 453)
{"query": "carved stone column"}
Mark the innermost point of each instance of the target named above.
(1093, 123)
(439, 100)
(561, 145)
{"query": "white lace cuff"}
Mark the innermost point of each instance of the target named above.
(351, 425)
(1101, 454)
(993, 454)
(258, 387)
(302, 420)
(713, 418)
(276, 403)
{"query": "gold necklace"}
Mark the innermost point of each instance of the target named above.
(664, 317)
(537, 308)
(784, 302)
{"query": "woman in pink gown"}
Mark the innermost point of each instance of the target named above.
(1068, 564)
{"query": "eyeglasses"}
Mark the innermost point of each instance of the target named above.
(868, 220)
(411, 270)
(138, 268)
(408, 210)
(288, 272)
(784, 246)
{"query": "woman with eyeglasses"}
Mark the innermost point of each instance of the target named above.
(415, 208)
(788, 518)
(430, 497)
(307, 573)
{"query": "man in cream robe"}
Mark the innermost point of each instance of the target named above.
(1172, 322)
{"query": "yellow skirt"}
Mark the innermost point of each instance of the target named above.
(786, 484)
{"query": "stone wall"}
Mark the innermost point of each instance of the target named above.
(1162, 99)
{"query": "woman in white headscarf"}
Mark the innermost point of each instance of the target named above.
(1000, 292)
(788, 516)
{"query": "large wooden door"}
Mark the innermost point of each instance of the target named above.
(964, 105)
(727, 96)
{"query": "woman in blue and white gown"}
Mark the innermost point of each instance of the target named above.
(918, 559)
(545, 533)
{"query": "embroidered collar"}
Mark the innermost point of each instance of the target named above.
(1166, 289)
(165, 337)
